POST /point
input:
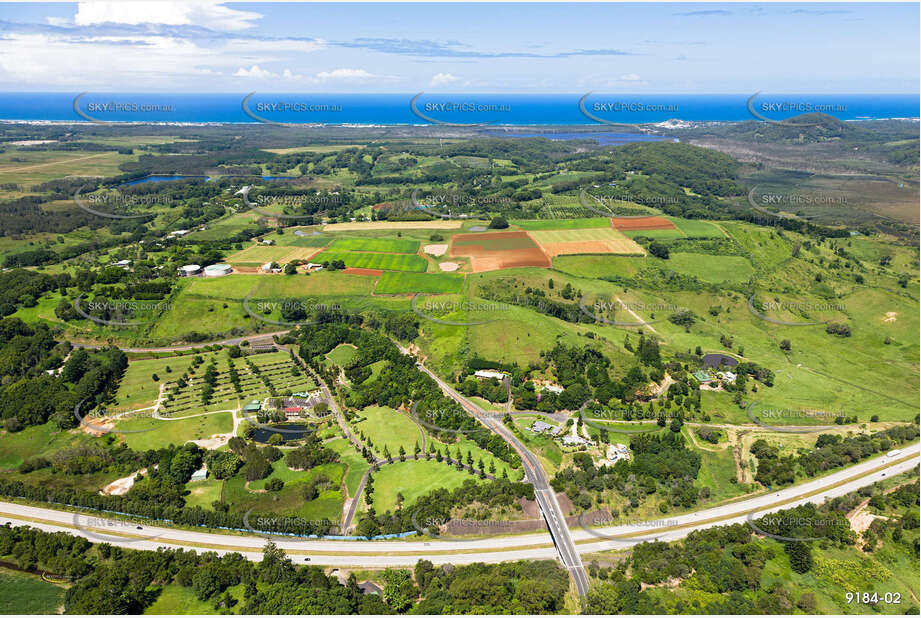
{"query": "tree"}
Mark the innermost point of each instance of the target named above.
(498, 223)
(800, 553)
(399, 590)
(658, 250)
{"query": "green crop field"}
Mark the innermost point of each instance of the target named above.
(382, 245)
(380, 261)
(424, 283)
(490, 242)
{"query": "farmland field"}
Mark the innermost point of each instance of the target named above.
(408, 283)
(563, 224)
(694, 228)
(380, 261)
(641, 223)
(261, 254)
(382, 245)
(576, 241)
(494, 251)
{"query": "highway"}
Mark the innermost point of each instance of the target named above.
(546, 497)
(405, 553)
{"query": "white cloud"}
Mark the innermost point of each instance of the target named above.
(344, 74)
(254, 71)
(209, 12)
(630, 77)
(440, 79)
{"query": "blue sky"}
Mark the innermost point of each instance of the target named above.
(481, 47)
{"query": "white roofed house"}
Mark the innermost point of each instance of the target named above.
(540, 427)
(489, 374)
(571, 440)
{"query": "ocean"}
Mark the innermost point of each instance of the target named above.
(424, 109)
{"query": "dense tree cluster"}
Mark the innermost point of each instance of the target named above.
(831, 451)
(661, 464)
(30, 396)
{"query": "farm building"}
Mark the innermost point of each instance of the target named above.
(553, 388)
(268, 268)
(488, 374)
(311, 266)
(189, 270)
(218, 270)
(252, 406)
(122, 263)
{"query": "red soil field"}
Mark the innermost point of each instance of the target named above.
(495, 257)
(641, 223)
(370, 272)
